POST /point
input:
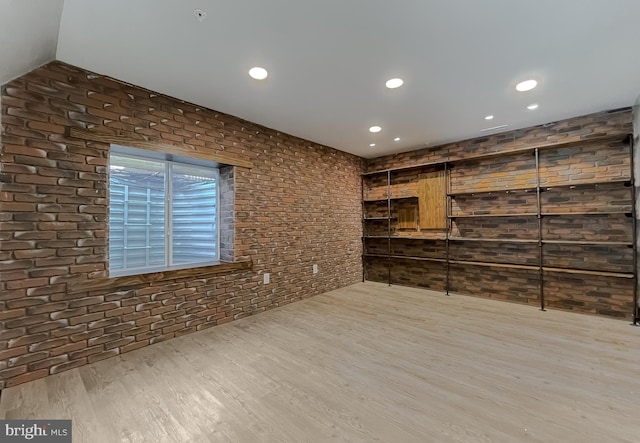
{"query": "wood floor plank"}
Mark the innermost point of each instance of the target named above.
(364, 363)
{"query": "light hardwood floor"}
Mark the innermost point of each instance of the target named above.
(364, 363)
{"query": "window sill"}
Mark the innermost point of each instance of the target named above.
(140, 279)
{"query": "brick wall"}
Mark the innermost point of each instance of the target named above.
(299, 205)
(518, 171)
(514, 253)
(516, 285)
(591, 161)
(598, 227)
(598, 295)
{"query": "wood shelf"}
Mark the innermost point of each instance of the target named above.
(588, 243)
(379, 218)
(492, 191)
(388, 198)
(407, 257)
(543, 146)
(544, 214)
(441, 237)
(545, 268)
(406, 168)
(543, 188)
(622, 180)
(588, 272)
(406, 237)
(494, 240)
(555, 214)
(525, 214)
(494, 265)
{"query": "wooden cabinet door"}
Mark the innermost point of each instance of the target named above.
(432, 200)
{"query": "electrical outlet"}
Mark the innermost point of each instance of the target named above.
(267, 278)
(315, 269)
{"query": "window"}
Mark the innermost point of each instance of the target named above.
(163, 212)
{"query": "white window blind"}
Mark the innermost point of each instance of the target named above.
(163, 214)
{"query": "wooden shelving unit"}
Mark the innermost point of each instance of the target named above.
(493, 264)
(524, 189)
(537, 211)
(391, 198)
(589, 272)
(407, 257)
(588, 243)
(525, 214)
(556, 214)
(494, 240)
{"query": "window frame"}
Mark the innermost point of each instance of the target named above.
(168, 160)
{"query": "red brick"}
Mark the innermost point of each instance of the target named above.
(29, 376)
(120, 311)
(13, 352)
(28, 339)
(135, 316)
(12, 372)
(31, 357)
(44, 345)
(148, 335)
(47, 363)
(120, 327)
(161, 338)
(47, 326)
(103, 307)
(119, 343)
(104, 322)
(26, 321)
(148, 320)
(81, 336)
(68, 313)
(85, 318)
(47, 308)
(68, 348)
(69, 365)
(13, 313)
(104, 339)
(85, 352)
(162, 324)
(63, 332)
(8, 334)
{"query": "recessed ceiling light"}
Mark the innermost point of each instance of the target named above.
(489, 117)
(258, 73)
(372, 144)
(532, 107)
(375, 129)
(526, 85)
(397, 139)
(394, 83)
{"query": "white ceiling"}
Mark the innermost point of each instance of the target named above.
(328, 60)
(28, 35)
